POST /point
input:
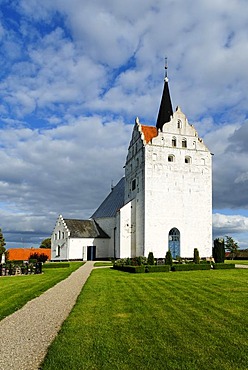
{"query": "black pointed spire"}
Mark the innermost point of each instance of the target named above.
(165, 110)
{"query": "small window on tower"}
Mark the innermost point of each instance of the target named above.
(187, 160)
(179, 124)
(174, 142)
(134, 184)
(184, 143)
(170, 158)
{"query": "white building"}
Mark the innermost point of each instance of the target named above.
(163, 202)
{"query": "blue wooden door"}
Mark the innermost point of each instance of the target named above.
(174, 242)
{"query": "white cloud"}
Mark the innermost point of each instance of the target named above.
(68, 69)
(65, 170)
(231, 225)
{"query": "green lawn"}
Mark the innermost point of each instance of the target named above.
(15, 291)
(237, 262)
(193, 320)
(103, 264)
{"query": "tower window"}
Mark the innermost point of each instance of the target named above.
(170, 158)
(174, 142)
(179, 124)
(133, 184)
(187, 159)
(184, 143)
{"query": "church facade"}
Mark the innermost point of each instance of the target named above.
(163, 202)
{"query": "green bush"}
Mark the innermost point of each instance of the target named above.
(168, 258)
(219, 250)
(56, 265)
(220, 266)
(132, 269)
(157, 268)
(196, 256)
(190, 267)
(150, 259)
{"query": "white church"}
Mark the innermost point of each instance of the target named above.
(163, 202)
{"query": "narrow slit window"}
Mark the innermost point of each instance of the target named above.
(133, 184)
(174, 142)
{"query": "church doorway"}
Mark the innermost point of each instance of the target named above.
(91, 253)
(174, 242)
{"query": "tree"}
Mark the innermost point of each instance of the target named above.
(150, 259)
(196, 256)
(219, 250)
(231, 246)
(2, 245)
(168, 258)
(39, 257)
(46, 243)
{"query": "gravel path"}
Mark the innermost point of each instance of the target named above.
(237, 266)
(26, 334)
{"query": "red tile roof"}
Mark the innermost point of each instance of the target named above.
(23, 254)
(149, 132)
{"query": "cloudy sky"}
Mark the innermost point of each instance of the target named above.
(74, 74)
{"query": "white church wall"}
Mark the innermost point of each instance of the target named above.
(178, 194)
(127, 229)
(118, 235)
(134, 191)
(108, 224)
(78, 248)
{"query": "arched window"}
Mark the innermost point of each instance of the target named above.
(174, 141)
(184, 143)
(171, 158)
(179, 123)
(174, 242)
(187, 159)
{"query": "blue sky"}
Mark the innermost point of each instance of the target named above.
(75, 74)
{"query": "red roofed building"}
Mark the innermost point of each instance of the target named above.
(23, 254)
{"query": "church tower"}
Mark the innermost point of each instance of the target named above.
(168, 189)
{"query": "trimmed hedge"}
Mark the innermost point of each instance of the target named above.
(157, 268)
(132, 269)
(56, 265)
(143, 268)
(222, 266)
(190, 267)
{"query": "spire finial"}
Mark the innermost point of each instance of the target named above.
(166, 69)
